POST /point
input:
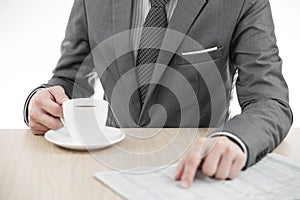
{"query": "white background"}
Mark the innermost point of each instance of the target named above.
(31, 32)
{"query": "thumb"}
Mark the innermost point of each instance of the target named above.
(59, 94)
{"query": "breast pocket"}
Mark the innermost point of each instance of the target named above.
(201, 56)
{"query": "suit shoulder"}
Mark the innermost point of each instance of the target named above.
(255, 3)
(252, 6)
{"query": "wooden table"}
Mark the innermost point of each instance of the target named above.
(32, 168)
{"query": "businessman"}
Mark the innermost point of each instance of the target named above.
(238, 36)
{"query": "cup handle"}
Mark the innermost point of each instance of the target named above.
(65, 106)
(63, 121)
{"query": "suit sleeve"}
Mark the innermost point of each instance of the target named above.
(75, 70)
(262, 91)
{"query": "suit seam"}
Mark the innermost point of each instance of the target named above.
(86, 22)
(236, 23)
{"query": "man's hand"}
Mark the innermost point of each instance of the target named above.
(218, 157)
(45, 110)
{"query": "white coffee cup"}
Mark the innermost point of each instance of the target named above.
(85, 119)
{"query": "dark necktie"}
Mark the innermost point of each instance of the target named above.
(152, 36)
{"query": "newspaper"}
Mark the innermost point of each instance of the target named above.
(274, 177)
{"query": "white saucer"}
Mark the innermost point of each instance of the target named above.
(62, 138)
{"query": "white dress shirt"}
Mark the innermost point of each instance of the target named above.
(139, 14)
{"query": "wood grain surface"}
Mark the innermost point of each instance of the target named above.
(32, 168)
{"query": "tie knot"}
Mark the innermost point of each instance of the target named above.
(159, 3)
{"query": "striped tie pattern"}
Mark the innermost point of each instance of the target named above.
(152, 36)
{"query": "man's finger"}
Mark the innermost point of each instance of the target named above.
(212, 160)
(53, 109)
(51, 122)
(190, 167)
(237, 166)
(225, 164)
(59, 94)
(179, 171)
(189, 172)
(37, 128)
(196, 148)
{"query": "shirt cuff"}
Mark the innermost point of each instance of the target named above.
(234, 138)
(25, 110)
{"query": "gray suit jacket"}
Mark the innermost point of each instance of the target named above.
(242, 30)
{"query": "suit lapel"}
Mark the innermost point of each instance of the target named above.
(183, 17)
(121, 16)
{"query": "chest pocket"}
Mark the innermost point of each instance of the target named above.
(201, 56)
